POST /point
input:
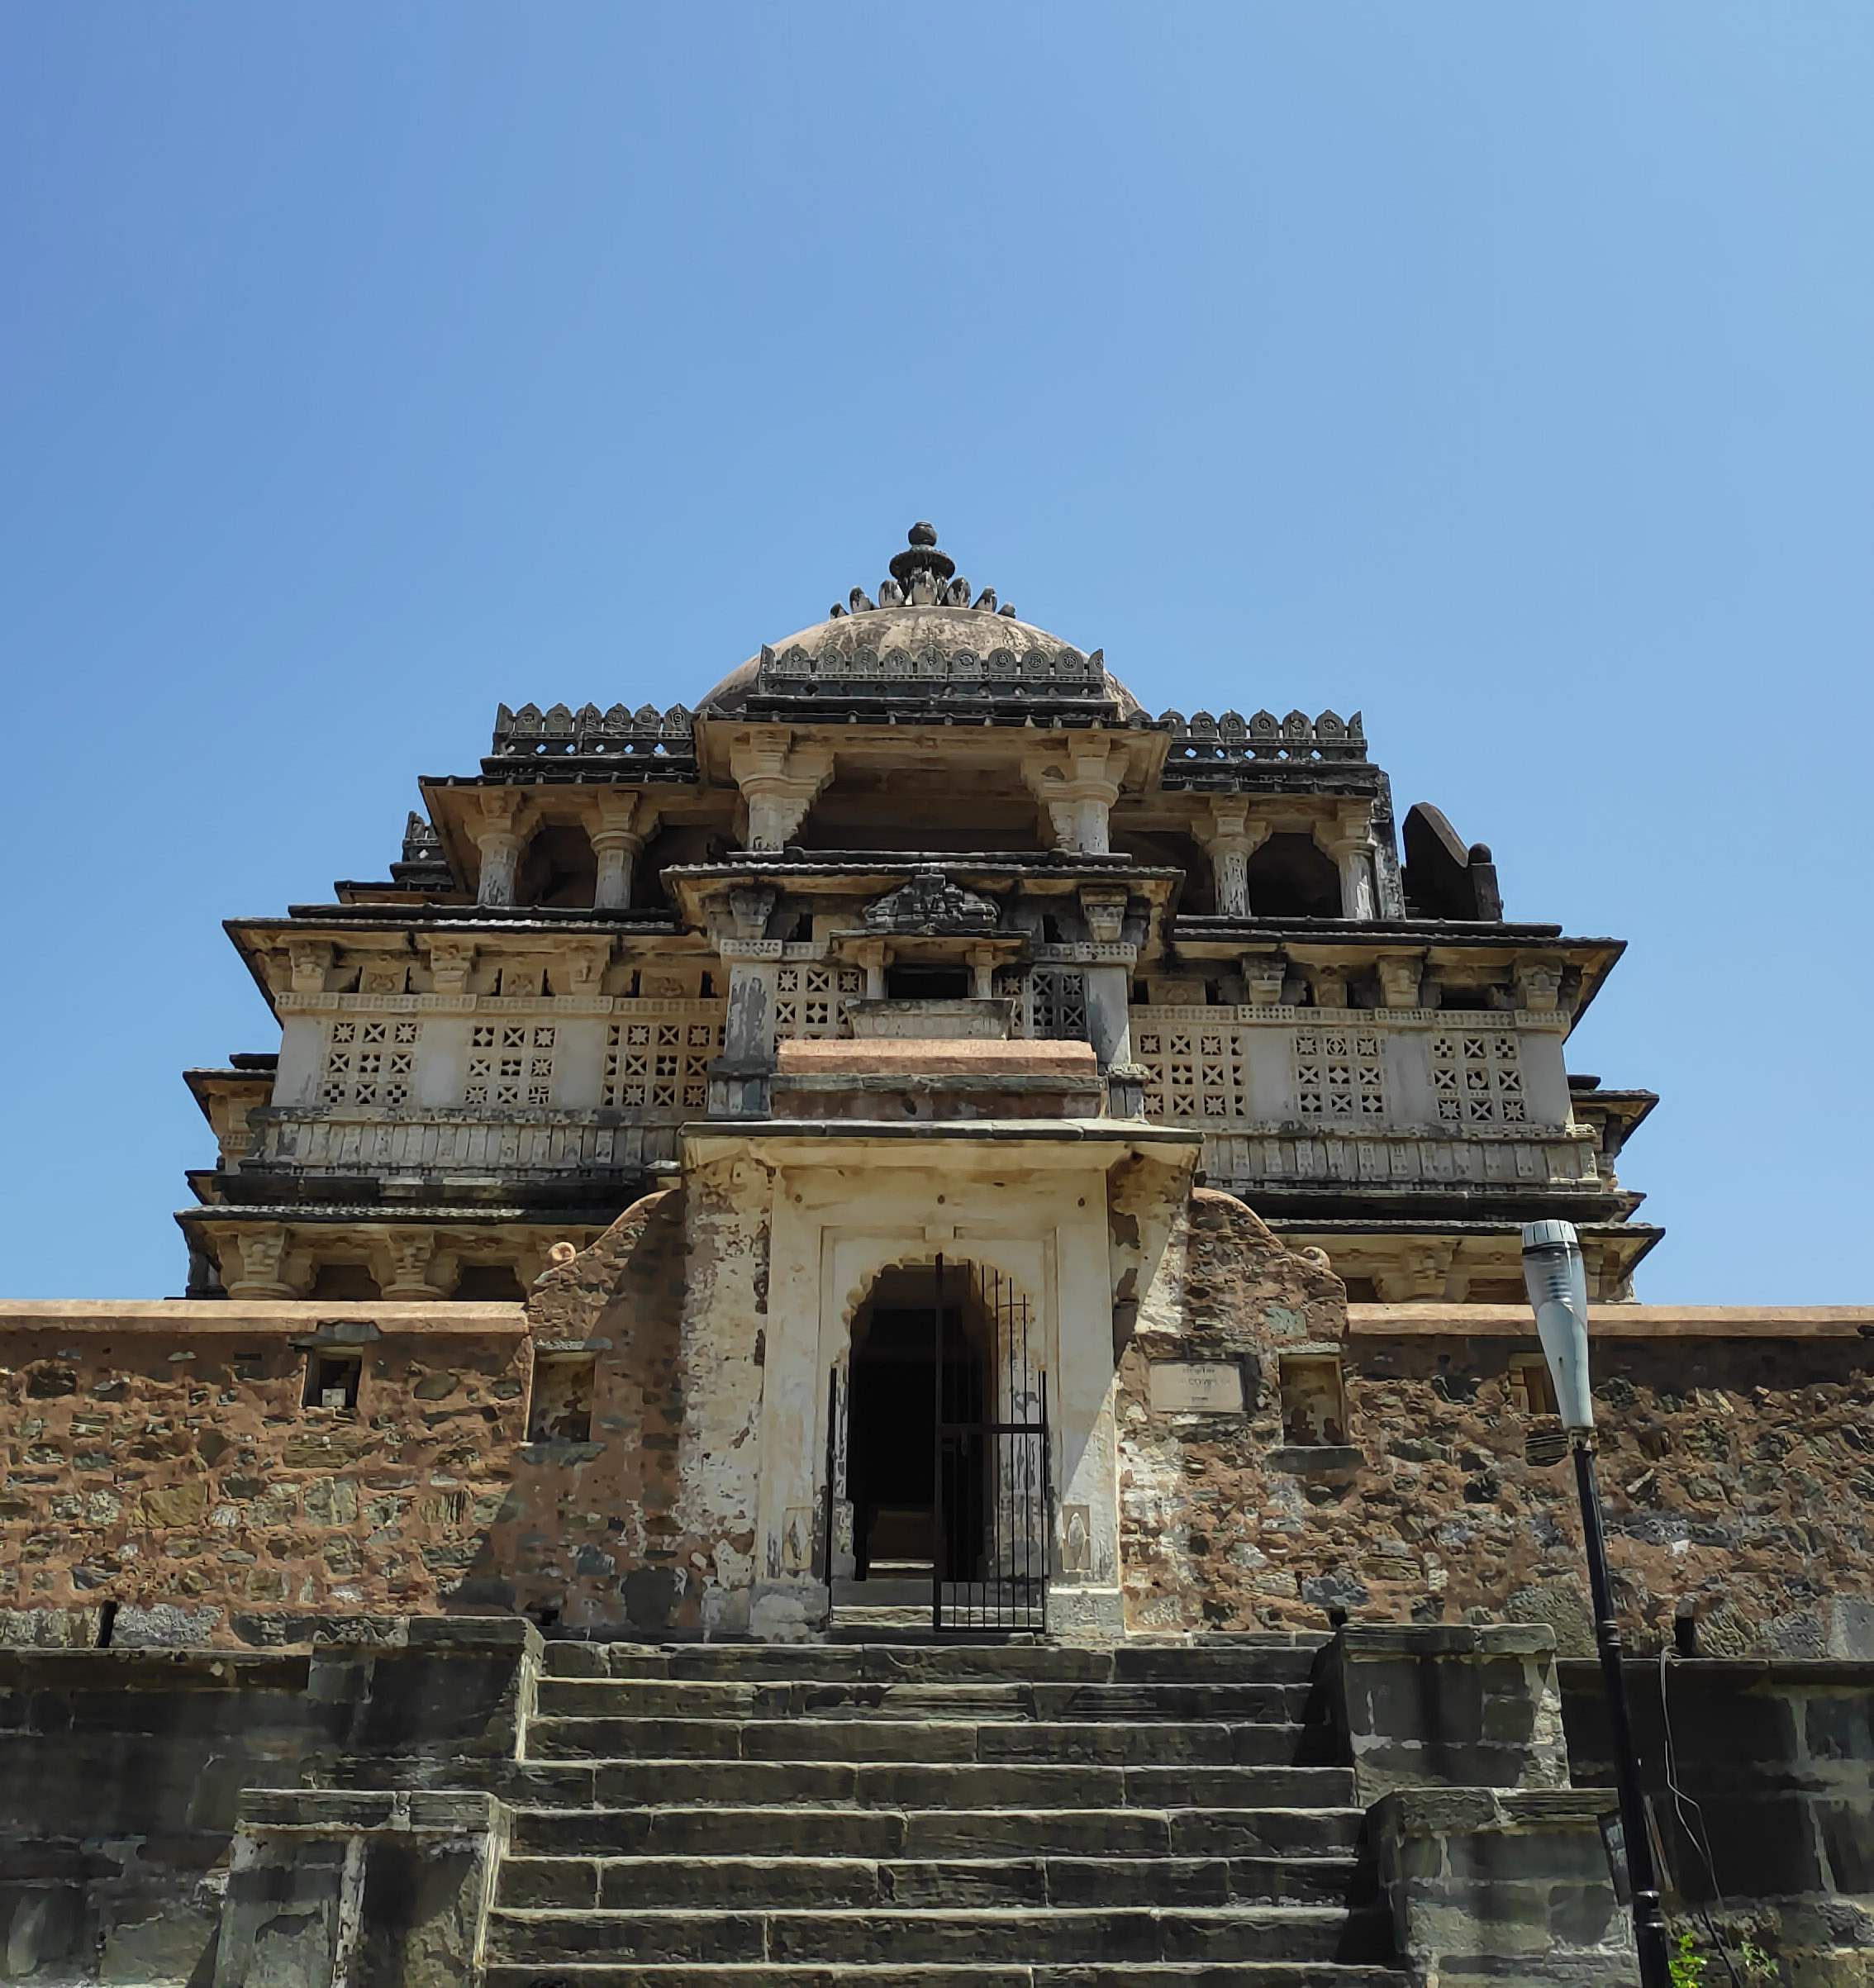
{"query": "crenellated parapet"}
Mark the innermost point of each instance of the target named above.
(560, 732)
(1235, 739)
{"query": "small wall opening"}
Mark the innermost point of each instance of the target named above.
(1314, 1408)
(1526, 1382)
(560, 1408)
(488, 1284)
(346, 1283)
(928, 984)
(332, 1381)
(1291, 876)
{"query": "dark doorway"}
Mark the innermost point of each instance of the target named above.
(899, 1378)
(945, 1442)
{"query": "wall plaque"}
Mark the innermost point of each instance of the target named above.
(1197, 1387)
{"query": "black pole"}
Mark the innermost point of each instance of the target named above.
(1649, 1920)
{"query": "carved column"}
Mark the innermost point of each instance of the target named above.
(499, 841)
(1109, 997)
(261, 1254)
(779, 781)
(624, 821)
(412, 1254)
(1230, 838)
(1350, 843)
(1079, 797)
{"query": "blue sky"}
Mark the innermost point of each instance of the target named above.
(1501, 371)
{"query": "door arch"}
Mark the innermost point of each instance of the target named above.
(937, 1463)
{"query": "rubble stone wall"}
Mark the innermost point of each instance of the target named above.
(1738, 1472)
(1281, 1460)
(180, 1476)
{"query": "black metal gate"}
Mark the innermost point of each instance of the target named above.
(992, 1530)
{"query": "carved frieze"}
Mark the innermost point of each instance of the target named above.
(931, 904)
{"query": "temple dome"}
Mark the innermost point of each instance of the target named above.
(925, 635)
(965, 644)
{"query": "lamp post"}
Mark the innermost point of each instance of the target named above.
(1556, 1279)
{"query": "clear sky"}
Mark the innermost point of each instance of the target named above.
(1506, 372)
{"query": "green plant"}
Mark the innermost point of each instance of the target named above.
(1758, 1965)
(1687, 1965)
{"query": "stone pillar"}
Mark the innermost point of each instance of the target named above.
(618, 842)
(262, 1265)
(1353, 854)
(499, 841)
(1230, 838)
(1078, 798)
(780, 782)
(412, 1255)
(738, 1078)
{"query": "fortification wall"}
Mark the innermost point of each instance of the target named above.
(194, 1473)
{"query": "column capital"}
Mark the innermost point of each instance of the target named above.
(780, 780)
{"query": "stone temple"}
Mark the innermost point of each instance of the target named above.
(873, 1332)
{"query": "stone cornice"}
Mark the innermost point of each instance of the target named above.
(1444, 1320)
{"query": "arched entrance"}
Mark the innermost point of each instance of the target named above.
(937, 1451)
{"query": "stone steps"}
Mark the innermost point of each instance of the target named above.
(767, 1783)
(885, 1833)
(718, 1698)
(1164, 1743)
(1142, 1974)
(581, 1884)
(1244, 1660)
(1005, 1814)
(1022, 1934)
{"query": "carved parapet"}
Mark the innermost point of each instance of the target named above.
(421, 843)
(870, 659)
(589, 733)
(1234, 739)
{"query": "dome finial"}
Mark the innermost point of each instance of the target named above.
(922, 559)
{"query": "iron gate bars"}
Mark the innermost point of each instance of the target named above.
(992, 1530)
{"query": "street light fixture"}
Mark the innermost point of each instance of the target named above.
(1556, 1279)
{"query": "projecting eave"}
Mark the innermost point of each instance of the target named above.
(1628, 1110)
(206, 1085)
(872, 873)
(1345, 941)
(392, 930)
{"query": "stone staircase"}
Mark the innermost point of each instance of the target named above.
(953, 1816)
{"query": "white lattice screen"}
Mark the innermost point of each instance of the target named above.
(1196, 1070)
(812, 1000)
(369, 1062)
(510, 1063)
(1478, 1079)
(1339, 1076)
(660, 1063)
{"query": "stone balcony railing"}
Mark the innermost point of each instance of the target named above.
(517, 1145)
(1401, 1160)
